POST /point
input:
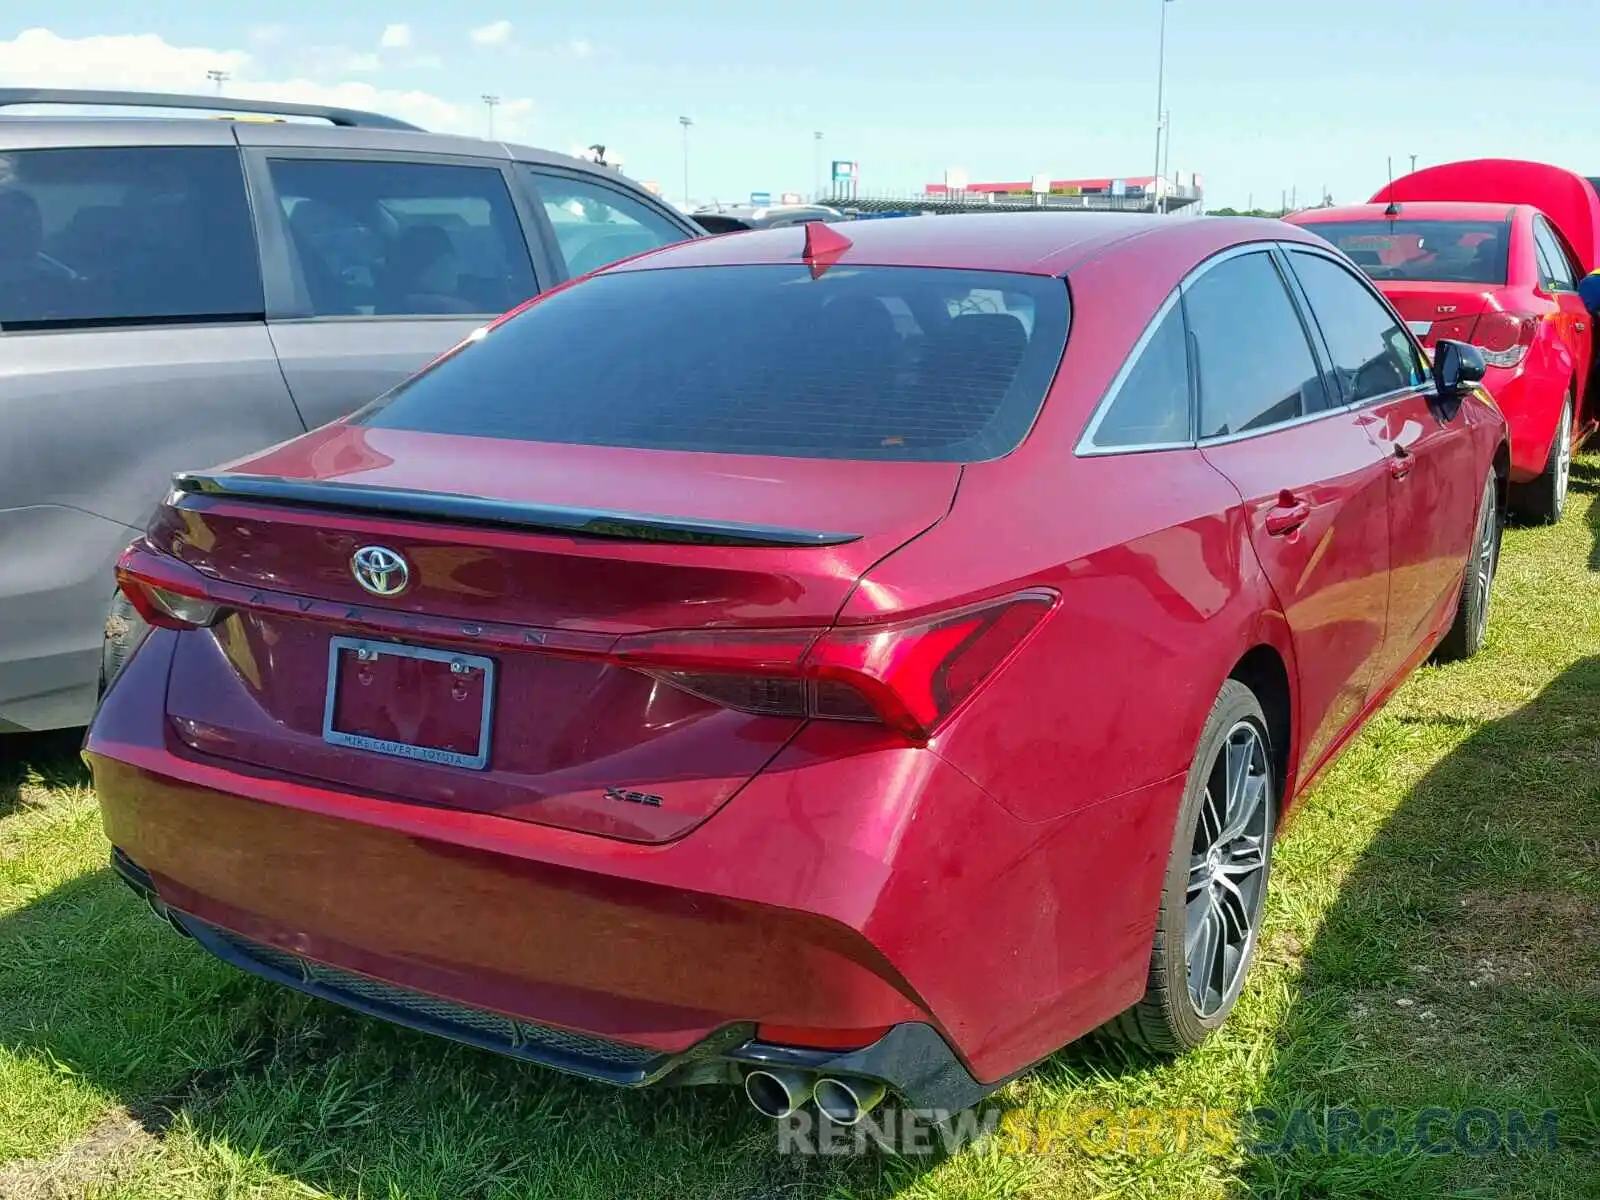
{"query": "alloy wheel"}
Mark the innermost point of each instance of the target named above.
(1484, 562)
(1228, 869)
(1563, 456)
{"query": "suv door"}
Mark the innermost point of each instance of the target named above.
(1313, 482)
(132, 344)
(1434, 485)
(389, 259)
(591, 224)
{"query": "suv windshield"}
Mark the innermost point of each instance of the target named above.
(1424, 251)
(860, 363)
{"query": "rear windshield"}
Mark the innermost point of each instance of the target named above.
(1425, 251)
(896, 363)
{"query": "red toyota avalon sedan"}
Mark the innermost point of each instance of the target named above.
(1501, 277)
(840, 664)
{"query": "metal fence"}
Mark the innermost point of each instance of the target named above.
(874, 204)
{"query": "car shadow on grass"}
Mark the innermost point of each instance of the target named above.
(1458, 969)
(40, 759)
(1585, 480)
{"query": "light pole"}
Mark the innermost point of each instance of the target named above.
(1413, 164)
(491, 102)
(816, 164)
(686, 123)
(1161, 81)
(217, 77)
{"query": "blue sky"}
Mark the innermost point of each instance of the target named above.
(1264, 97)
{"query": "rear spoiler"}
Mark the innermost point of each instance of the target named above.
(481, 510)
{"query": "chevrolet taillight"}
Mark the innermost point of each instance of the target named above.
(1504, 338)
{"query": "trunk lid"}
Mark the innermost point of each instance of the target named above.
(557, 552)
(1435, 310)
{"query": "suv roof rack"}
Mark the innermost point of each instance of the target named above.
(346, 117)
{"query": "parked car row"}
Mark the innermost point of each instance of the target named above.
(841, 660)
(176, 292)
(1491, 252)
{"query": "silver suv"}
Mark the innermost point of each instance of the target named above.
(176, 292)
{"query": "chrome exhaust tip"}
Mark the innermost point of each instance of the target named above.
(846, 1101)
(778, 1092)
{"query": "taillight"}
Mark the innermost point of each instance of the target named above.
(165, 592)
(910, 675)
(1504, 337)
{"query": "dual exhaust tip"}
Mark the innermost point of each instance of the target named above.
(778, 1092)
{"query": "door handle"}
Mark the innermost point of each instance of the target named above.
(1286, 518)
(1402, 462)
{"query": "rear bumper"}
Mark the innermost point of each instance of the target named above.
(911, 1058)
(856, 894)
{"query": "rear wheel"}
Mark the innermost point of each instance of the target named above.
(1216, 885)
(1472, 611)
(1545, 498)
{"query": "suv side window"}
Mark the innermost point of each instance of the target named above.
(1253, 362)
(114, 234)
(1553, 261)
(596, 225)
(1372, 355)
(1151, 407)
(398, 238)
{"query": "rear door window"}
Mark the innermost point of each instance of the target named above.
(398, 238)
(1253, 362)
(126, 235)
(1372, 354)
(596, 225)
(858, 363)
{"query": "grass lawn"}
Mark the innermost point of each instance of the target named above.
(1433, 941)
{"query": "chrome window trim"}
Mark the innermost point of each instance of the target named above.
(1086, 447)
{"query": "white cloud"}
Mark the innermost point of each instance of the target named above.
(497, 33)
(362, 62)
(395, 37)
(267, 35)
(580, 48)
(147, 63)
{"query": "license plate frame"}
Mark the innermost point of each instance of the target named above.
(408, 750)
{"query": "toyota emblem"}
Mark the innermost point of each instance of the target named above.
(380, 570)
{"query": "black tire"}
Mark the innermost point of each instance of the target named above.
(1465, 637)
(1543, 501)
(1169, 1020)
(125, 630)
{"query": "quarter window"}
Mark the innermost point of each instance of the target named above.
(596, 225)
(1253, 363)
(1151, 407)
(120, 234)
(375, 238)
(1372, 355)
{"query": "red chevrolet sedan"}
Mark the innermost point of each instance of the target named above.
(1503, 278)
(840, 663)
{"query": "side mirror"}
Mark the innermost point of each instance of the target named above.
(1456, 367)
